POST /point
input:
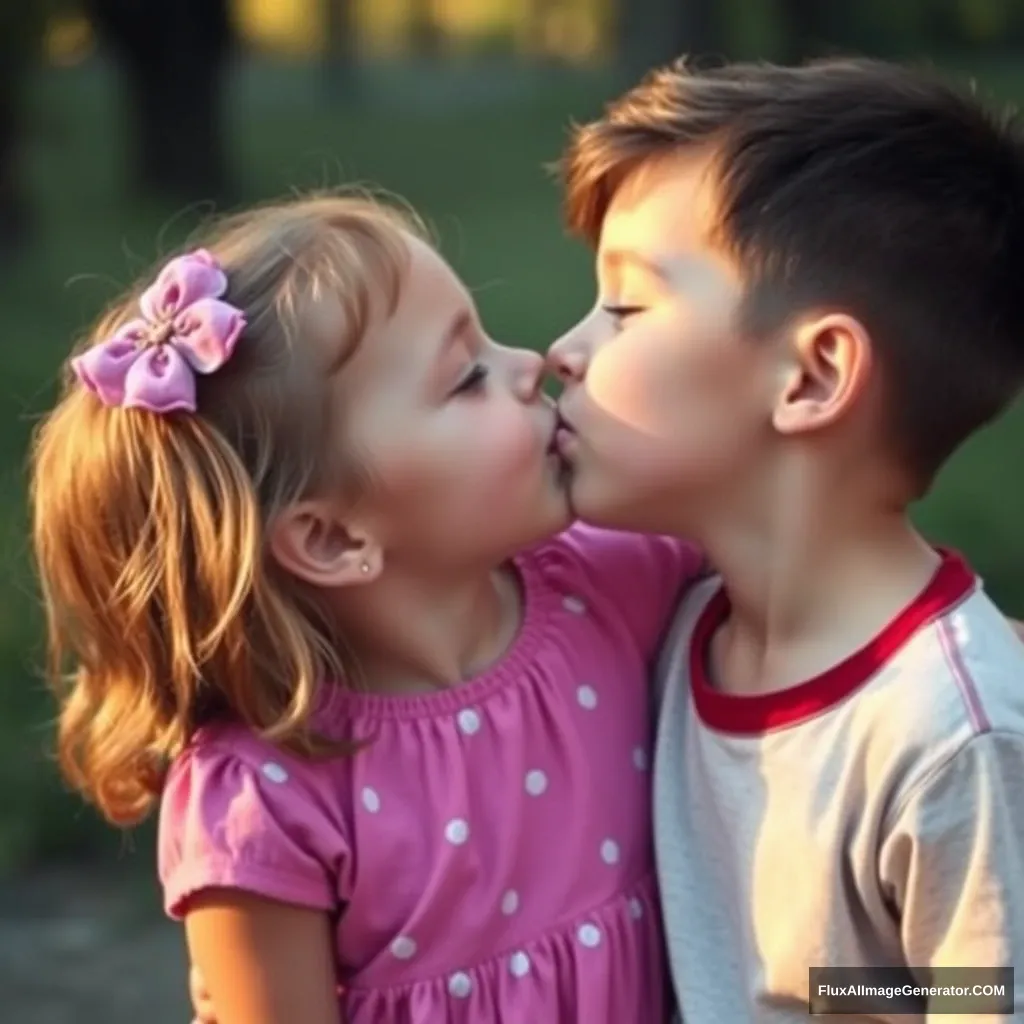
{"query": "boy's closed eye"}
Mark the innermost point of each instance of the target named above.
(621, 313)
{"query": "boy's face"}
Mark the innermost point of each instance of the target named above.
(668, 405)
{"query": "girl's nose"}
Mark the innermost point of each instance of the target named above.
(529, 374)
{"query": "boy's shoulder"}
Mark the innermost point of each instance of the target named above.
(958, 677)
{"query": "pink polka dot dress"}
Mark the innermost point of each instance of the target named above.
(488, 856)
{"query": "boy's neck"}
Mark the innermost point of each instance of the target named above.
(810, 582)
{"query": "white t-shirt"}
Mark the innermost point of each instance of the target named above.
(872, 816)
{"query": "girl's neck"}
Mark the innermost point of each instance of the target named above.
(414, 635)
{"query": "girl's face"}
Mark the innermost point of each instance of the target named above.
(453, 429)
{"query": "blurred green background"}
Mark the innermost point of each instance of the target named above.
(456, 106)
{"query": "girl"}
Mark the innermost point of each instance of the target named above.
(305, 550)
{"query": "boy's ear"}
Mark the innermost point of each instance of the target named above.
(826, 369)
(313, 542)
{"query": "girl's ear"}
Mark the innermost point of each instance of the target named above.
(310, 541)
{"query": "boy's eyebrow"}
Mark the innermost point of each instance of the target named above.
(618, 257)
(674, 272)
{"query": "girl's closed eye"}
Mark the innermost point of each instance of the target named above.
(473, 381)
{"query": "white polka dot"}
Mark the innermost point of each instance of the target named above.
(510, 902)
(403, 948)
(469, 721)
(460, 984)
(636, 909)
(536, 782)
(371, 799)
(273, 771)
(589, 935)
(456, 831)
(574, 604)
(610, 851)
(519, 965)
(640, 759)
(587, 696)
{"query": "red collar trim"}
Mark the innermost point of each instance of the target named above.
(761, 713)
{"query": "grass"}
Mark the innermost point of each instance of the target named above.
(469, 153)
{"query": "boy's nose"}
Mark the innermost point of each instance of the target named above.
(567, 358)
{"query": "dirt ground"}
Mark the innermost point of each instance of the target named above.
(78, 948)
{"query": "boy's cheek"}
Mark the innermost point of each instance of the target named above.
(635, 389)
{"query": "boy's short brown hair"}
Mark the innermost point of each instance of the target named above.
(859, 185)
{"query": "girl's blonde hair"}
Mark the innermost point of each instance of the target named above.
(163, 611)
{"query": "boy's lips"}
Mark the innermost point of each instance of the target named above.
(561, 433)
(564, 433)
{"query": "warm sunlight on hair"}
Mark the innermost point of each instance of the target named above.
(163, 613)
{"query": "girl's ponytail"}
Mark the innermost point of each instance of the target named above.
(150, 503)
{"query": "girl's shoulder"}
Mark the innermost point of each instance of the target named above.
(635, 577)
(222, 750)
(613, 550)
(237, 811)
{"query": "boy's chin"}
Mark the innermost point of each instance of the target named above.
(601, 503)
(603, 507)
(577, 501)
(558, 512)
(586, 505)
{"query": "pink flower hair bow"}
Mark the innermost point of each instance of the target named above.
(151, 363)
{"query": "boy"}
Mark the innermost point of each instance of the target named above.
(810, 287)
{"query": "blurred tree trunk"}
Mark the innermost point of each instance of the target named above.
(536, 18)
(801, 28)
(655, 32)
(173, 55)
(340, 50)
(14, 210)
(425, 34)
(21, 34)
(698, 29)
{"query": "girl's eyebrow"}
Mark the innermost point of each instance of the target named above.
(458, 326)
(456, 330)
